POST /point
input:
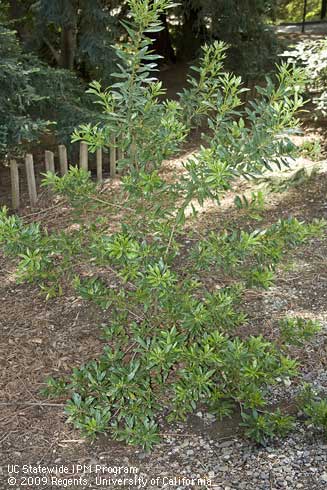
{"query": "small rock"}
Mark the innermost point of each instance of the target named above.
(226, 444)
(210, 416)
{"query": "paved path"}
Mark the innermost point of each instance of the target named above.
(310, 28)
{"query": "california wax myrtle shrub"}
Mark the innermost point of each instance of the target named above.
(172, 338)
(149, 129)
(76, 185)
(253, 255)
(43, 258)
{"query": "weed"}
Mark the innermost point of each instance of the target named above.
(311, 149)
(298, 330)
(263, 426)
(254, 206)
(314, 407)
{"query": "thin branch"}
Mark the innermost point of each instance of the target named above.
(170, 240)
(33, 404)
(41, 211)
(107, 203)
(54, 52)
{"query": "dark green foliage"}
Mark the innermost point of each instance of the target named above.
(70, 34)
(76, 185)
(54, 388)
(90, 29)
(242, 25)
(93, 290)
(35, 98)
(15, 236)
(254, 255)
(254, 205)
(17, 96)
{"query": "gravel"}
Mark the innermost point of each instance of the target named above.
(296, 462)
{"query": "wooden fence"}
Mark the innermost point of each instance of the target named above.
(49, 166)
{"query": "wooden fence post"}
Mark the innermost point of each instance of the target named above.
(63, 160)
(29, 165)
(112, 163)
(49, 162)
(14, 175)
(99, 165)
(83, 156)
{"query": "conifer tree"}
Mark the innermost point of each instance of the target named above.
(240, 24)
(72, 34)
(35, 97)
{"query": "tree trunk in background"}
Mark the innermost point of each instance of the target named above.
(68, 47)
(17, 12)
(323, 9)
(193, 33)
(162, 42)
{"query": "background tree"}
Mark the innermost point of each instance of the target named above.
(71, 34)
(17, 94)
(192, 30)
(292, 10)
(162, 44)
(243, 25)
(35, 97)
(79, 34)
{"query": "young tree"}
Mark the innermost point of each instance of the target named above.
(171, 344)
(293, 10)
